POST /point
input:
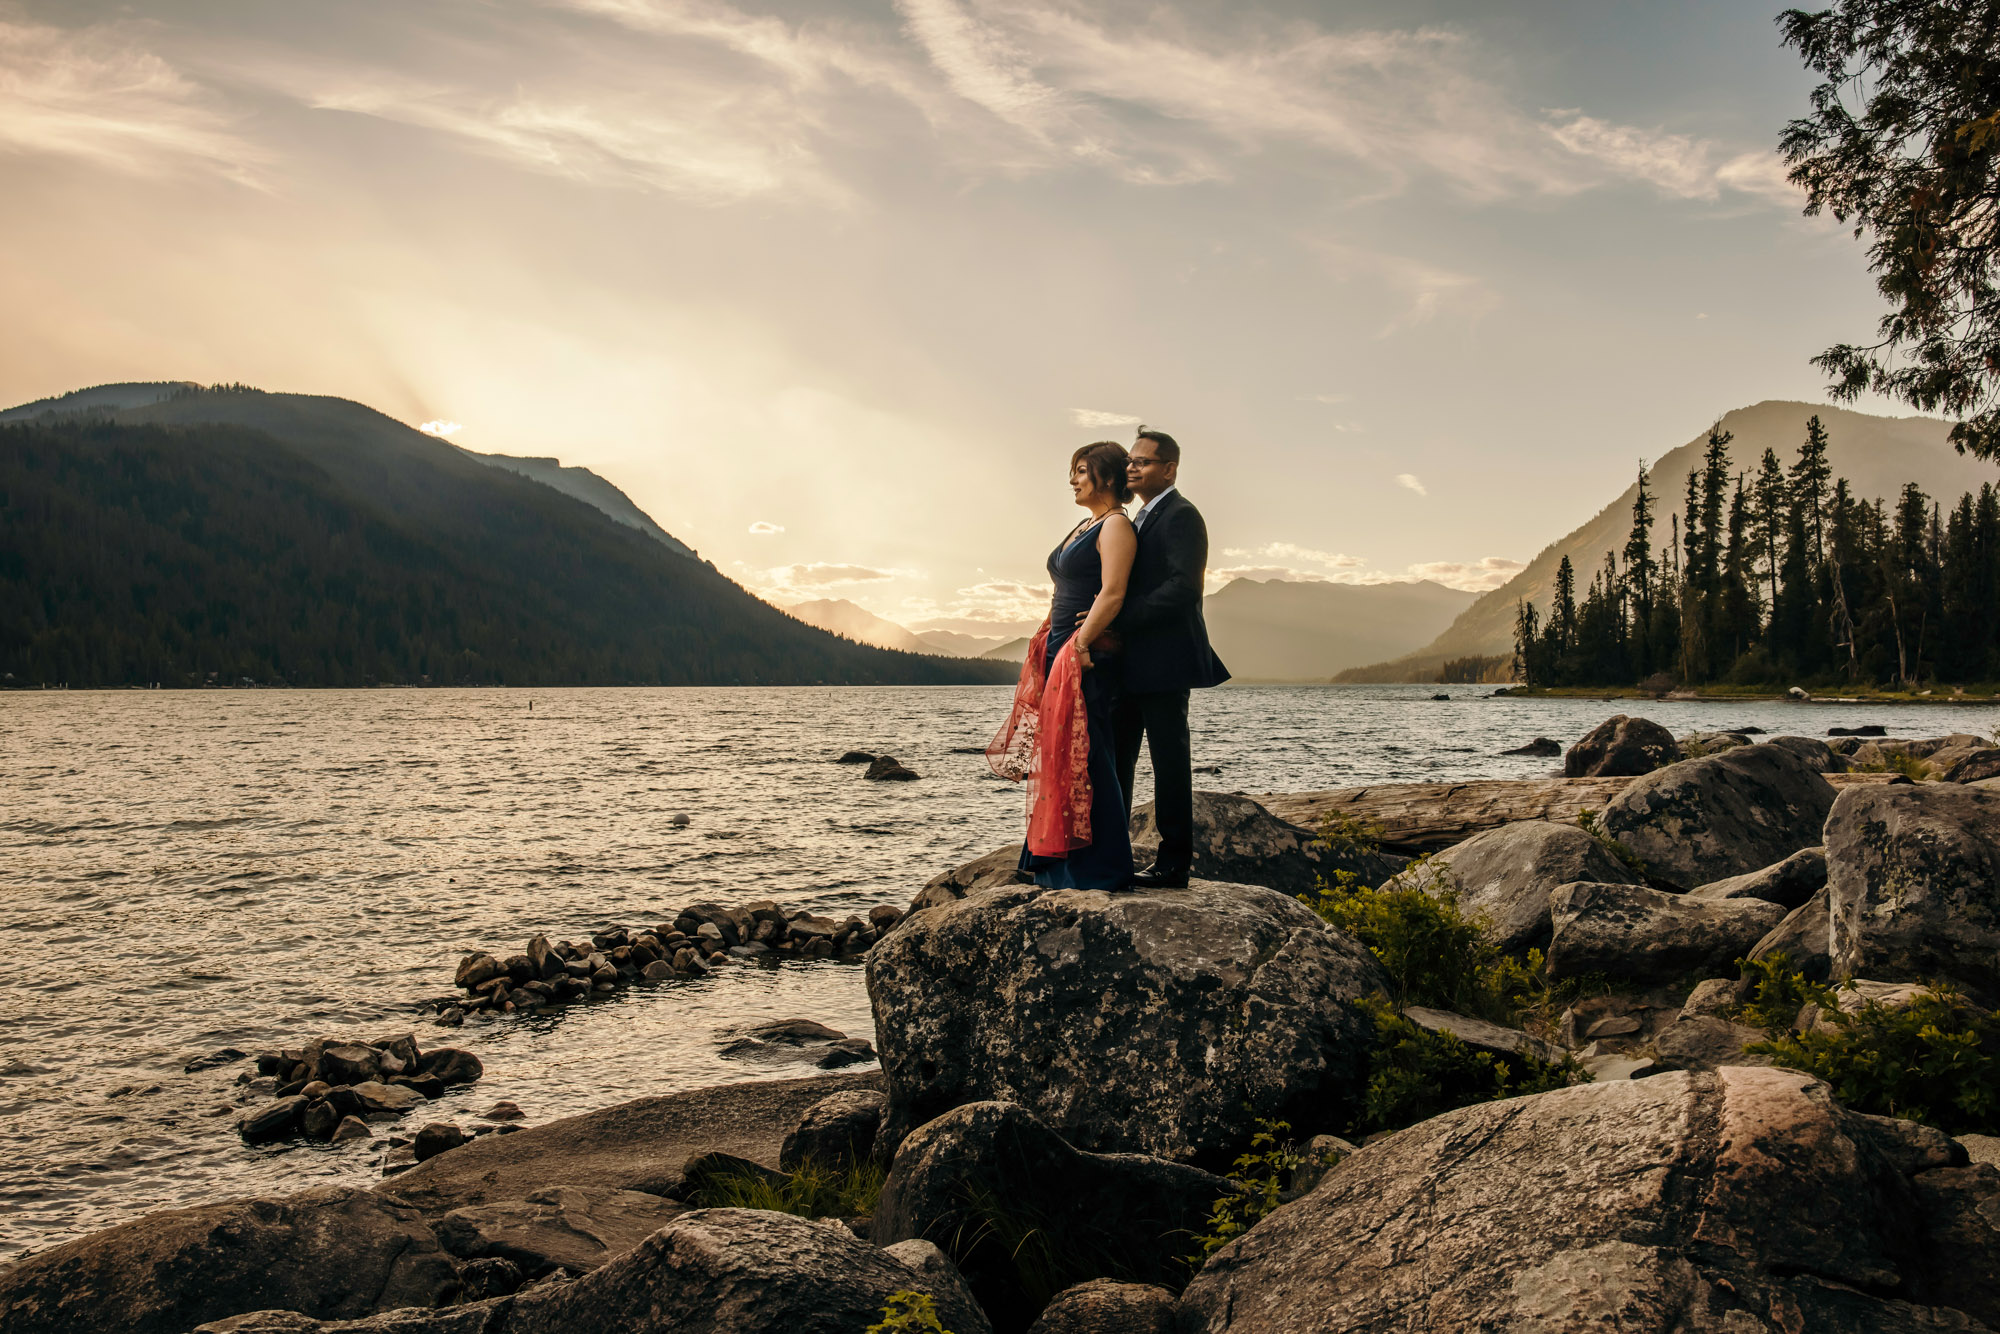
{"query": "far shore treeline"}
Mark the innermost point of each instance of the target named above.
(217, 554)
(1779, 575)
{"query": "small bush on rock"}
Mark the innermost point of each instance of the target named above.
(1347, 834)
(1586, 820)
(1265, 1173)
(813, 1191)
(1936, 1060)
(1778, 992)
(1416, 1073)
(909, 1313)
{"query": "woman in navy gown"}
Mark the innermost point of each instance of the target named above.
(1089, 568)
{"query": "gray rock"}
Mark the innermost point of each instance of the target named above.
(1976, 764)
(435, 1138)
(1504, 876)
(1710, 743)
(1804, 937)
(995, 868)
(1540, 746)
(1481, 1035)
(345, 1062)
(712, 1271)
(452, 1066)
(1742, 1200)
(1705, 1042)
(1724, 815)
(271, 1120)
(1621, 747)
(1106, 1306)
(1914, 884)
(1981, 1149)
(887, 768)
(331, 1253)
(1238, 842)
(1230, 1005)
(1816, 753)
(836, 1130)
(1639, 935)
(395, 1098)
(1713, 997)
(351, 1128)
(983, 1172)
(1789, 884)
(934, 1269)
(561, 1227)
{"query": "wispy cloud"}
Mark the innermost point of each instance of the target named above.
(1410, 482)
(1675, 164)
(1424, 292)
(95, 94)
(441, 429)
(763, 527)
(982, 65)
(1480, 576)
(1092, 417)
(1291, 563)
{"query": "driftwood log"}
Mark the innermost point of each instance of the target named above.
(1428, 817)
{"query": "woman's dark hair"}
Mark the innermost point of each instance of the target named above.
(1105, 461)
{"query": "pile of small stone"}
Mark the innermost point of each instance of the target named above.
(333, 1087)
(701, 938)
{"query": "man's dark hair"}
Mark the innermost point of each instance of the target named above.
(1105, 461)
(1163, 444)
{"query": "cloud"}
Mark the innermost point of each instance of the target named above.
(762, 527)
(1675, 164)
(1001, 603)
(441, 429)
(1426, 291)
(1409, 482)
(1092, 417)
(1481, 576)
(1328, 399)
(982, 65)
(1337, 568)
(92, 94)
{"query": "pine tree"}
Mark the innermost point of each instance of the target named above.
(1641, 576)
(1810, 475)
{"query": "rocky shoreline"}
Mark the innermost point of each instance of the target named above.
(1180, 1111)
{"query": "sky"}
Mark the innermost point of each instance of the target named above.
(833, 290)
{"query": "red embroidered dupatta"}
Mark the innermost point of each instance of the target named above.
(1046, 740)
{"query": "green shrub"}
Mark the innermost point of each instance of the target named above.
(1347, 835)
(1415, 1074)
(1434, 954)
(909, 1313)
(1936, 1061)
(1586, 820)
(1264, 1173)
(814, 1191)
(1778, 993)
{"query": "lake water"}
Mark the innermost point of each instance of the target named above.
(181, 872)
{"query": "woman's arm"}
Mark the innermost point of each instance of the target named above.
(1116, 545)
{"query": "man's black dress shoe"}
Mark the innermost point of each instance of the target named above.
(1160, 877)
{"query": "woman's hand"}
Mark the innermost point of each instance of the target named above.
(1083, 657)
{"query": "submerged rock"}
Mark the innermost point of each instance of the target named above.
(1719, 816)
(1913, 878)
(887, 768)
(335, 1253)
(1541, 745)
(1621, 747)
(1163, 1022)
(1698, 1203)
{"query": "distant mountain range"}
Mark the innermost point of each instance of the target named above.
(1876, 454)
(173, 534)
(856, 622)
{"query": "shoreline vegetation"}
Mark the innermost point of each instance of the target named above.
(1780, 577)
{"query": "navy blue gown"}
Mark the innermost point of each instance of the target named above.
(1106, 861)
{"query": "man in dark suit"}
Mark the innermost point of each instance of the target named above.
(1165, 651)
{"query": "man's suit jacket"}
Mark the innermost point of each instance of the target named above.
(1165, 638)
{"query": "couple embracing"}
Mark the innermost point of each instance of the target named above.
(1112, 665)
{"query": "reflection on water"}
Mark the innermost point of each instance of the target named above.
(185, 871)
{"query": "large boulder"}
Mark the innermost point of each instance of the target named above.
(712, 1271)
(1164, 1022)
(1913, 878)
(1504, 876)
(1238, 842)
(1723, 815)
(560, 1227)
(1804, 938)
(1788, 884)
(1976, 764)
(985, 1178)
(1621, 747)
(1699, 1203)
(836, 1131)
(1638, 935)
(333, 1253)
(1813, 751)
